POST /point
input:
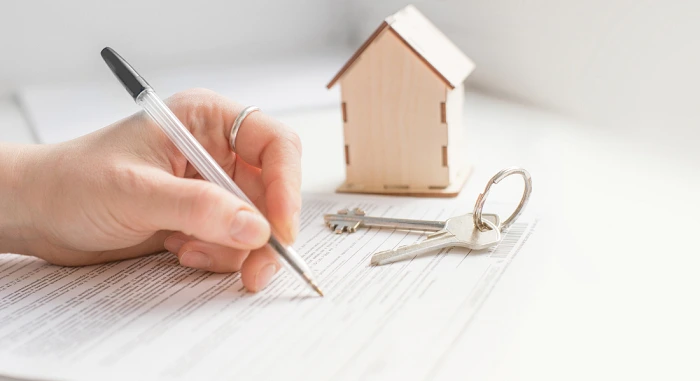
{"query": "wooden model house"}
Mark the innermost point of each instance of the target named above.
(402, 100)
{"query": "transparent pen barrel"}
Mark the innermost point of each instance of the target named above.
(186, 143)
(208, 167)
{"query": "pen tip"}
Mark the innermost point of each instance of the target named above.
(316, 288)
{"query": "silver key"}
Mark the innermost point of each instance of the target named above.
(475, 231)
(459, 231)
(349, 220)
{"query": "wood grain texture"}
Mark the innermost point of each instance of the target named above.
(380, 29)
(456, 130)
(431, 44)
(393, 130)
(425, 40)
(451, 190)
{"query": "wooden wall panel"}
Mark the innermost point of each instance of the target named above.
(394, 128)
(457, 144)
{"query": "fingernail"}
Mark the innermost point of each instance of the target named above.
(294, 227)
(248, 227)
(195, 260)
(264, 275)
(173, 244)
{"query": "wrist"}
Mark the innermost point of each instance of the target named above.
(17, 172)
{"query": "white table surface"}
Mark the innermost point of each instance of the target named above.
(611, 291)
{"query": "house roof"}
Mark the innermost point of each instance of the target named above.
(426, 41)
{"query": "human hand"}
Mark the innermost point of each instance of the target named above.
(126, 191)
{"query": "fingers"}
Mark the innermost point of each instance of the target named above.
(257, 267)
(197, 208)
(269, 145)
(262, 142)
(204, 255)
(249, 180)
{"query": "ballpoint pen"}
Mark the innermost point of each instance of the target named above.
(145, 96)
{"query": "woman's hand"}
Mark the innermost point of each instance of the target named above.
(126, 191)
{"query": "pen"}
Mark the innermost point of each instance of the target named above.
(145, 97)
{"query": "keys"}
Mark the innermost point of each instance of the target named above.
(475, 230)
(455, 231)
(349, 220)
(459, 231)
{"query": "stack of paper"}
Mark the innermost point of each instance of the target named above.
(150, 318)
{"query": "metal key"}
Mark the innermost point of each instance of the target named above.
(475, 230)
(455, 231)
(459, 231)
(349, 220)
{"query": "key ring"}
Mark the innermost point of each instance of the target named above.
(481, 200)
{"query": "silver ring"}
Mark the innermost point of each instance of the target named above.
(237, 124)
(481, 200)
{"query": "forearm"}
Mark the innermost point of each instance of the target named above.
(15, 216)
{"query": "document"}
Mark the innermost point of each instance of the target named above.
(151, 319)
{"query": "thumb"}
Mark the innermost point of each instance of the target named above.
(206, 211)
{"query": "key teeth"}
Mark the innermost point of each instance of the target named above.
(356, 212)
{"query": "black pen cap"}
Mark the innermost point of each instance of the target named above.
(132, 81)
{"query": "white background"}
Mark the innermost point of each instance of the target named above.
(630, 64)
(623, 64)
(46, 41)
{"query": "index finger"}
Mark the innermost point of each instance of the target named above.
(268, 144)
